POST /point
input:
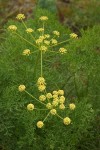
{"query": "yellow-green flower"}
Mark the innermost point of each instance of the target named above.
(26, 52)
(40, 81)
(54, 41)
(20, 16)
(46, 42)
(55, 103)
(55, 92)
(30, 106)
(47, 36)
(56, 33)
(67, 121)
(43, 18)
(21, 88)
(62, 106)
(40, 124)
(49, 95)
(62, 50)
(61, 92)
(42, 98)
(53, 111)
(72, 106)
(62, 99)
(29, 30)
(43, 48)
(40, 29)
(41, 87)
(73, 35)
(48, 105)
(12, 28)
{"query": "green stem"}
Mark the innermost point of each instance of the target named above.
(59, 116)
(25, 40)
(41, 65)
(60, 43)
(34, 97)
(27, 28)
(46, 116)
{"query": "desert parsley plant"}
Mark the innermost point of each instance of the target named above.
(51, 101)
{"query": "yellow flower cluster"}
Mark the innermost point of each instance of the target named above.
(29, 30)
(72, 106)
(43, 18)
(62, 50)
(56, 33)
(21, 88)
(40, 29)
(30, 107)
(67, 121)
(20, 16)
(73, 35)
(43, 48)
(12, 28)
(40, 124)
(41, 84)
(54, 41)
(26, 52)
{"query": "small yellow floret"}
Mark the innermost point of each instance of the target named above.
(43, 48)
(41, 87)
(56, 33)
(40, 29)
(54, 41)
(21, 88)
(62, 99)
(42, 98)
(40, 124)
(73, 35)
(46, 42)
(55, 96)
(72, 106)
(61, 92)
(53, 111)
(12, 28)
(26, 52)
(62, 50)
(38, 41)
(20, 16)
(67, 121)
(48, 105)
(49, 95)
(40, 81)
(62, 106)
(55, 103)
(29, 30)
(55, 92)
(30, 107)
(43, 18)
(47, 36)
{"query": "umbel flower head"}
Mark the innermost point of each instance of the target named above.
(26, 52)
(20, 16)
(12, 28)
(43, 18)
(67, 121)
(21, 88)
(73, 35)
(30, 107)
(72, 106)
(40, 124)
(29, 30)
